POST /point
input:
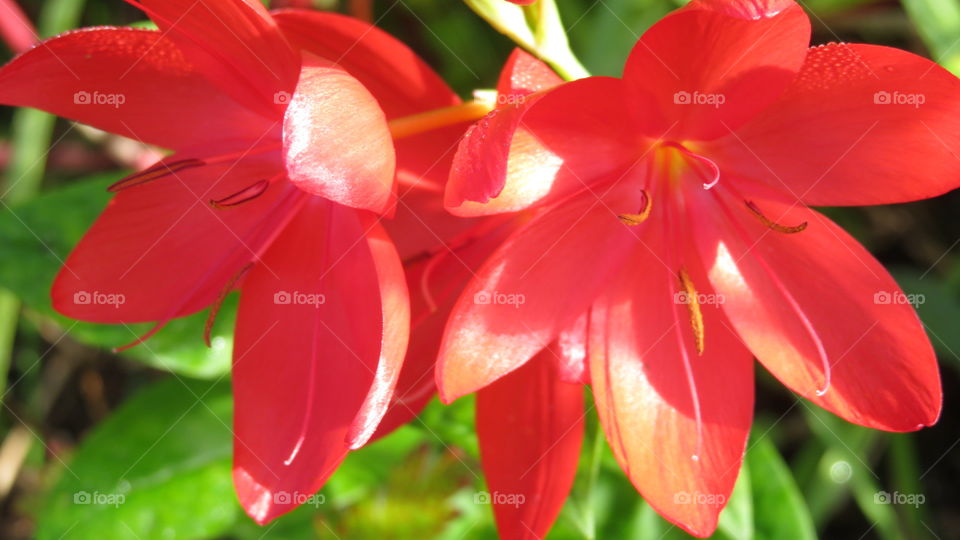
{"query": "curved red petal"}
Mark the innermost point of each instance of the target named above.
(743, 58)
(307, 347)
(336, 141)
(400, 80)
(534, 286)
(677, 421)
(132, 82)
(163, 250)
(236, 44)
(861, 125)
(821, 313)
(530, 428)
(544, 149)
(479, 170)
(395, 309)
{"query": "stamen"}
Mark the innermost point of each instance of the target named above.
(691, 383)
(635, 219)
(244, 195)
(693, 306)
(773, 224)
(218, 303)
(156, 172)
(428, 269)
(791, 302)
(714, 169)
(156, 328)
(416, 124)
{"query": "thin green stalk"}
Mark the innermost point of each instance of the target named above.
(32, 131)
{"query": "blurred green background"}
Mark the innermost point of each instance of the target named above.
(137, 446)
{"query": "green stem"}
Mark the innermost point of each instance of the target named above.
(537, 28)
(32, 131)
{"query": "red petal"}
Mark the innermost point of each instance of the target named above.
(163, 249)
(402, 82)
(403, 85)
(303, 363)
(15, 28)
(744, 56)
(480, 168)
(816, 298)
(524, 74)
(830, 142)
(435, 284)
(83, 75)
(235, 43)
(651, 387)
(570, 352)
(539, 152)
(536, 284)
(530, 428)
(395, 307)
(336, 141)
(421, 224)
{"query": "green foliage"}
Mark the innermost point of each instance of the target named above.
(158, 468)
(938, 22)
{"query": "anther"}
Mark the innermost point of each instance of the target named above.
(244, 195)
(635, 219)
(156, 172)
(693, 306)
(773, 224)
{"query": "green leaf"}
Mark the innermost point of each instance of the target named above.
(938, 308)
(537, 28)
(736, 520)
(619, 22)
(938, 22)
(39, 234)
(159, 467)
(779, 511)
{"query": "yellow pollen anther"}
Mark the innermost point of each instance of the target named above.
(693, 306)
(635, 219)
(773, 224)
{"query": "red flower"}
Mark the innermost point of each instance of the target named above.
(673, 242)
(283, 160)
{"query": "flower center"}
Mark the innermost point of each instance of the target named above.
(678, 162)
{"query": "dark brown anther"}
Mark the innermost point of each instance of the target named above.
(156, 172)
(244, 195)
(773, 224)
